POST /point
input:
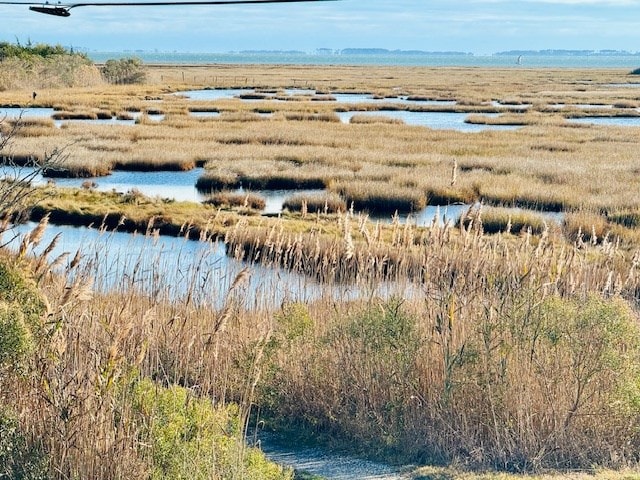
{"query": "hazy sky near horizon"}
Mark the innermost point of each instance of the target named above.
(477, 26)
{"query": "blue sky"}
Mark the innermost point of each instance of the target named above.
(477, 26)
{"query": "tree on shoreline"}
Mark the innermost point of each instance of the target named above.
(44, 66)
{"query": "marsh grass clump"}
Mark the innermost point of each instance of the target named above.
(212, 181)
(154, 165)
(149, 426)
(66, 115)
(380, 197)
(234, 199)
(395, 399)
(29, 127)
(561, 326)
(379, 339)
(447, 195)
(312, 117)
(316, 203)
(628, 218)
(546, 196)
(125, 115)
(73, 167)
(625, 104)
(506, 220)
(368, 119)
(586, 225)
(239, 117)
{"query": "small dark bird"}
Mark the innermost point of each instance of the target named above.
(34, 95)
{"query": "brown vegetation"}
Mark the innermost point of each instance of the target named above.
(516, 351)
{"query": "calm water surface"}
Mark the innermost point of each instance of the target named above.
(382, 59)
(608, 121)
(168, 266)
(235, 93)
(28, 112)
(178, 186)
(434, 120)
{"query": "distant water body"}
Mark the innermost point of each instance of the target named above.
(409, 60)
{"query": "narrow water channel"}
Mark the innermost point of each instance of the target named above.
(169, 267)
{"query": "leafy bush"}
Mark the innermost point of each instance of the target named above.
(15, 337)
(18, 290)
(20, 310)
(352, 383)
(44, 66)
(190, 438)
(18, 459)
(29, 51)
(532, 382)
(124, 71)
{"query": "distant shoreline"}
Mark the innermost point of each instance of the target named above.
(502, 60)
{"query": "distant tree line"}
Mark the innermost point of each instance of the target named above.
(34, 66)
(32, 51)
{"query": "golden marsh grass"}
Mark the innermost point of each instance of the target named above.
(515, 352)
(547, 163)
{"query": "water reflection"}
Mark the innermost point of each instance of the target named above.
(178, 186)
(623, 85)
(307, 94)
(13, 113)
(440, 214)
(434, 120)
(608, 121)
(214, 93)
(511, 106)
(204, 114)
(579, 105)
(171, 268)
(135, 116)
(275, 198)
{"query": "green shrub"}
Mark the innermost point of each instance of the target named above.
(124, 71)
(44, 66)
(21, 308)
(16, 289)
(189, 438)
(18, 459)
(352, 384)
(293, 322)
(15, 337)
(29, 51)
